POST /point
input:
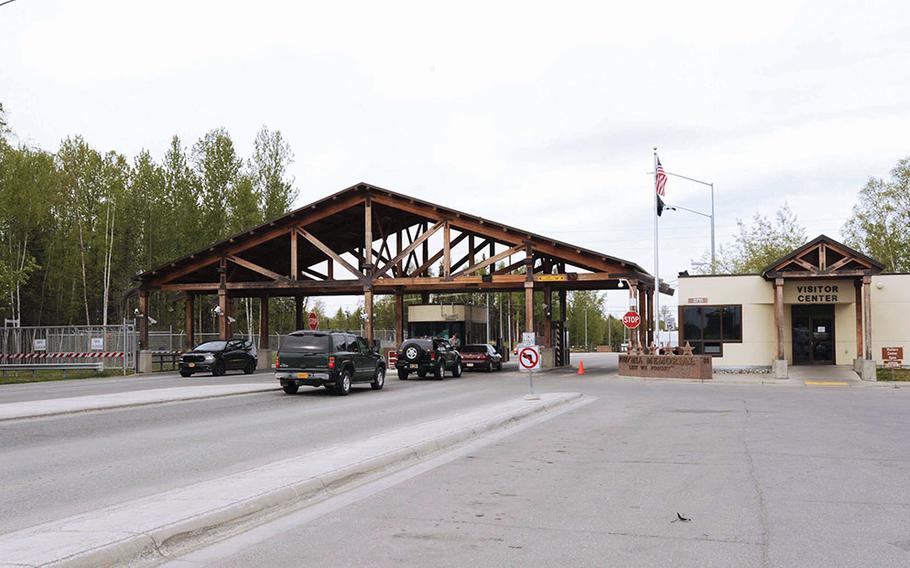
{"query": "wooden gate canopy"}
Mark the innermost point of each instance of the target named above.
(369, 240)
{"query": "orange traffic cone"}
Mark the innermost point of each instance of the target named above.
(581, 367)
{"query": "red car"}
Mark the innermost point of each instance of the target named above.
(480, 356)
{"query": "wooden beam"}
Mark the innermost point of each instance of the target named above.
(261, 270)
(435, 258)
(472, 251)
(368, 233)
(294, 271)
(492, 260)
(314, 274)
(224, 330)
(446, 249)
(298, 312)
(329, 252)
(529, 306)
(510, 268)
(421, 239)
(213, 254)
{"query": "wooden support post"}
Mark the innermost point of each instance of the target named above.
(399, 268)
(144, 320)
(425, 247)
(446, 250)
(330, 270)
(189, 312)
(548, 317)
(858, 303)
(399, 317)
(368, 311)
(779, 316)
(867, 313)
(529, 306)
(264, 322)
(471, 250)
(294, 272)
(223, 328)
(368, 234)
(298, 312)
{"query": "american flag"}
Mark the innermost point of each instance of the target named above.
(661, 179)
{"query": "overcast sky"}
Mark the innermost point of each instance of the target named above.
(541, 115)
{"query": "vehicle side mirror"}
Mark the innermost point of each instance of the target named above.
(376, 345)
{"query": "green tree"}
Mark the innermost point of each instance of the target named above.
(587, 321)
(880, 223)
(757, 244)
(217, 166)
(272, 157)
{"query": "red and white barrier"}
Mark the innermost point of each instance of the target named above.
(393, 358)
(66, 355)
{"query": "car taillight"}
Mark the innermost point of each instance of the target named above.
(331, 362)
(276, 360)
(432, 356)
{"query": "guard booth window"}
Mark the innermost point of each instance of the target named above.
(707, 328)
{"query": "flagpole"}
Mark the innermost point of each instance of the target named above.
(656, 303)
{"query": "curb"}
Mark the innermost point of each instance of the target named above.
(129, 405)
(151, 544)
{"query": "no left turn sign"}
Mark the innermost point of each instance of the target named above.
(529, 358)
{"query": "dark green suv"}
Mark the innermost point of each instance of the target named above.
(331, 359)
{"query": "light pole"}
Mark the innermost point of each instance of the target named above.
(709, 216)
(586, 327)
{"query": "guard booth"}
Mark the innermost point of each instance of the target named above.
(366, 240)
(446, 320)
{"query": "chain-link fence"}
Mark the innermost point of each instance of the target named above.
(114, 345)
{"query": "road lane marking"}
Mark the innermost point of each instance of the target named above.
(827, 383)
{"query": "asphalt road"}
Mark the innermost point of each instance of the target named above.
(768, 476)
(69, 464)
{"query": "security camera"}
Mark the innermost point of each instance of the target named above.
(217, 310)
(152, 320)
(137, 313)
(231, 320)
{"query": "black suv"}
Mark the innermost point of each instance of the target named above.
(219, 357)
(331, 359)
(428, 356)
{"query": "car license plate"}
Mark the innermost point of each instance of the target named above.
(303, 375)
(413, 365)
(191, 365)
(469, 364)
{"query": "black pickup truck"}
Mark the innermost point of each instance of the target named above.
(428, 356)
(331, 359)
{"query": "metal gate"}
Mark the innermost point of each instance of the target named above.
(113, 345)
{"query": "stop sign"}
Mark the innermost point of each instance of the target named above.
(313, 320)
(631, 320)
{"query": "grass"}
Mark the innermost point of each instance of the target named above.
(14, 377)
(899, 374)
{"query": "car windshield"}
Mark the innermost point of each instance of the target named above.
(309, 343)
(474, 349)
(211, 346)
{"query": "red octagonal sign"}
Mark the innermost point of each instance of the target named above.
(631, 320)
(313, 320)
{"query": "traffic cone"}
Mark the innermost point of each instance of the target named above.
(581, 367)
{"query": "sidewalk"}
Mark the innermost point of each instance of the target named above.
(55, 406)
